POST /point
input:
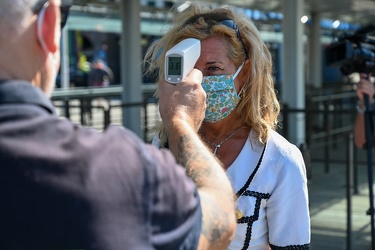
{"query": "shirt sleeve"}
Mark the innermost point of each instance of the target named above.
(157, 198)
(287, 208)
(176, 211)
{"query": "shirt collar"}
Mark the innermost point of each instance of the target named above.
(19, 91)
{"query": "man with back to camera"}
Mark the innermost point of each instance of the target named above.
(61, 189)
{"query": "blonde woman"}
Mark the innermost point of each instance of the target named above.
(266, 171)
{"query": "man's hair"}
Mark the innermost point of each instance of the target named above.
(13, 17)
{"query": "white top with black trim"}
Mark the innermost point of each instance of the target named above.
(273, 196)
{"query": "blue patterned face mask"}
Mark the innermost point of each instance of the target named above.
(221, 96)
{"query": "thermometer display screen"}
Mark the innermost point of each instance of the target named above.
(174, 66)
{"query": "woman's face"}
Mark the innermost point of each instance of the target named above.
(214, 59)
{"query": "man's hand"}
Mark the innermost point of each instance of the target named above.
(365, 87)
(183, 102)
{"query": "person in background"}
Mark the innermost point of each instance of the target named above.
(267, 172)
(364, 86)
(100, 75)
(63, 186)
(101, 54)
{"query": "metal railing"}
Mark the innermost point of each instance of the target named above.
(328, 120)
(99, 107)
(328, 117)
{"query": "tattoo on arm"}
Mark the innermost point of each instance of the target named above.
(197, 164)
(200, 167)
(215, 222)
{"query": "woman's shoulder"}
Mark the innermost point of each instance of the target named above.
(282, 153)
(280, 144)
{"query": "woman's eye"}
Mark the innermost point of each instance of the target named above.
(213, 68)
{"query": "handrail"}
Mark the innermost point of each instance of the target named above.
(327, 97)
(94, 92)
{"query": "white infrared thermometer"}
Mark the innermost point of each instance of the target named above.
(180, 59)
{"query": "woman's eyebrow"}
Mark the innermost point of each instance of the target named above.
(213, 62)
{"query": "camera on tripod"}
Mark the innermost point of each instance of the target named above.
(353, 53)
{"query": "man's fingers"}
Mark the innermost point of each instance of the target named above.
(364, 76)
(195, 74)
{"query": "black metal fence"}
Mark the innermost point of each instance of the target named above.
(328, 118)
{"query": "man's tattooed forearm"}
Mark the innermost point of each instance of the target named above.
(196, 163)
(215, 224)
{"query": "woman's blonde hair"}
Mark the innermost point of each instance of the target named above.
(259, 107)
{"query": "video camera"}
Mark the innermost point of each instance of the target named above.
(353, 53)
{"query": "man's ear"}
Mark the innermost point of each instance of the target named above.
(49, 27)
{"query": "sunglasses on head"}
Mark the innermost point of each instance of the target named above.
(219, 19)
(64, 9)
